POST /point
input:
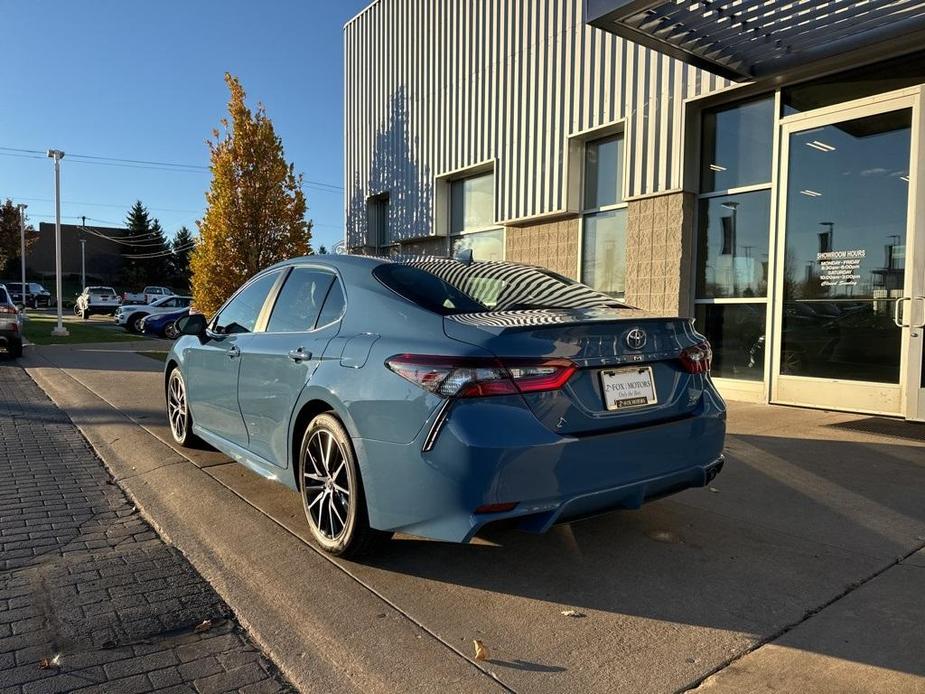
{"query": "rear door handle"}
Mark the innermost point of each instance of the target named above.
(233, 352)
(299, 355)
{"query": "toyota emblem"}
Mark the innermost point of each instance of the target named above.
(636, 338)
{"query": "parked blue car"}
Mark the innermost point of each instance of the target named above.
(163, 324)
(434, 396)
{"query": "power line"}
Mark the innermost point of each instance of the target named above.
(160, 254)
(92, 159)
(105, 204)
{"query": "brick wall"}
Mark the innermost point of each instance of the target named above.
(659, 247)
(553, 245)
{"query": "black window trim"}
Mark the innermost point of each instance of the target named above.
(283, 272)
(267, 311)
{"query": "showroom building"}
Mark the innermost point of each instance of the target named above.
(748, 163)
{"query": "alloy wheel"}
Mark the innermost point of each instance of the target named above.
(137, 325)
(177, 411)
(171, 332)
(326, 485)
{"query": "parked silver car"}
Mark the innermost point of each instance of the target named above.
(10, 325)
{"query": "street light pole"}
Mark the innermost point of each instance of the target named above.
(22, 251)
(56, 154)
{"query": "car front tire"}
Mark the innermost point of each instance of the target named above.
(134, 323)
(332, 491)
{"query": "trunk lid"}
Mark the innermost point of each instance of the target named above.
(596, 340)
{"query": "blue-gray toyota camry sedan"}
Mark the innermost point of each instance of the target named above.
(434, 396)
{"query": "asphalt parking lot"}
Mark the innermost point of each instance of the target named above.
(800, 569)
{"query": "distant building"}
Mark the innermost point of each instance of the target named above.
(103, 256)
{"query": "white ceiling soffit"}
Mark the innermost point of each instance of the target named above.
(751, 39)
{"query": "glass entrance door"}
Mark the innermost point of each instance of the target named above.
(844, 302)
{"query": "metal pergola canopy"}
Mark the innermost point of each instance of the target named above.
(752, 39)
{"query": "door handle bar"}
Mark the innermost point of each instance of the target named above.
(896, 319)
(299, 355)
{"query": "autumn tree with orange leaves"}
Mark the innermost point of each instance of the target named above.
(255, 214)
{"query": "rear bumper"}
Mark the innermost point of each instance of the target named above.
(9, 336)
(495, 451)
(100, 309)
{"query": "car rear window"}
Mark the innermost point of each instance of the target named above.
(450, 287)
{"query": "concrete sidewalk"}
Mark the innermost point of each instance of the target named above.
(798, 569)
(90, 598)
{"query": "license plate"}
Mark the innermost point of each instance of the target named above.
(627, 388)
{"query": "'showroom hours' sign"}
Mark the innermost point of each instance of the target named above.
(840, 268)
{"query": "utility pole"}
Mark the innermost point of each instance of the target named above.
(22, 251)
(83, 245)
(56, 154)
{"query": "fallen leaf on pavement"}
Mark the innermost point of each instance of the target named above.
(50, 663)
(573, 613)
(714, 490)
(481, 650)
(205, 625)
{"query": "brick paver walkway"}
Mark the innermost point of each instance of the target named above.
(91, 599)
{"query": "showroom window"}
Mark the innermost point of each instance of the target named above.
(733, 231)
(472, 217)
(603, 237)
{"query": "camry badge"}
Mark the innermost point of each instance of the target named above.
(636, 338)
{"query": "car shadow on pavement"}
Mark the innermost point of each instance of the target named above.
(789, 526)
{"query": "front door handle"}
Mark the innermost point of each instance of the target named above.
(233, 352)
(299, 354)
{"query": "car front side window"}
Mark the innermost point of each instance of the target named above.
(300, 300)
(241, 313)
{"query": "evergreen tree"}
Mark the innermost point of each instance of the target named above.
(182, 247)
(138, 227)
(255, 213)
(158, 251)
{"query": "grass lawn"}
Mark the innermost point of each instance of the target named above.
(37, 329)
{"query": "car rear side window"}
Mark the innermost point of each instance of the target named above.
(300, 300)
(451, 287)
(334, 305)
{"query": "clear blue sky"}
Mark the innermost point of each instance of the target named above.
(144, 80)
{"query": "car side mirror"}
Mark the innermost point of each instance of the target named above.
(193, 324)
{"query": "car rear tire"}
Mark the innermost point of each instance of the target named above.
(332, 491)
(178, 415)
(134, 322)
(14, 347)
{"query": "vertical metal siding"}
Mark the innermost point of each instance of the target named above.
(433, 86)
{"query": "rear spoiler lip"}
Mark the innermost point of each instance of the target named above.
(511, 321)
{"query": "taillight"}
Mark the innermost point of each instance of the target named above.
(473, 377)
(8, 309)
(697, 359)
